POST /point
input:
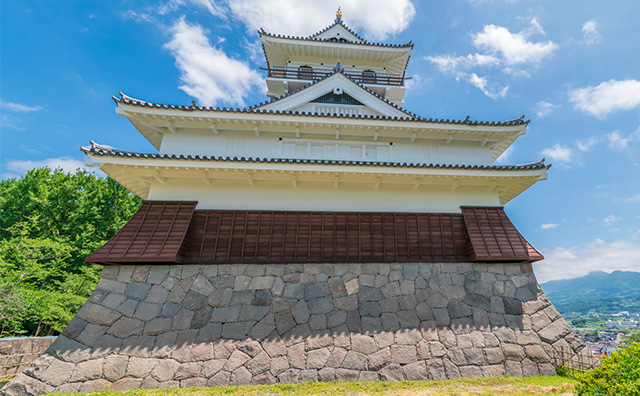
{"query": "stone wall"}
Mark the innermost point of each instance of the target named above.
(17, 353)
(191, 325)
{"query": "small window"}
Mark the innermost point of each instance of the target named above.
(369, 77)
(305, 72)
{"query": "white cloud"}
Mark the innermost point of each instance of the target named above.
(17, 168)
(619, 142)
(18, 107)
(504, 157)
(571, 262)
(481, 83)
(543, 108)
(590, 33)
(512, 53)
(549, 226)
(558, 153)
(208, 74)
(587, 144)
(611, 220)
(607, 97)
(513, 47)
(378, 19)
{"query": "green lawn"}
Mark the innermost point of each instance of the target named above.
(458, 387)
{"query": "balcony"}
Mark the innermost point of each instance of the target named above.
(308, 74)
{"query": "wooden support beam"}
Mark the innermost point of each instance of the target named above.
(214, 129)
(336, 182)
(294, 181)
(158, 177)
(171, 128)
(455, 185)
(377, 182)
(155, 128)
(256, 130)
(449, 139)
(417, 183)
(250, 180)
(413, 137)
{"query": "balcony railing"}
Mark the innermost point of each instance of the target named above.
(313, 74)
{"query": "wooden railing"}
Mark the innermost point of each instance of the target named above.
(581, 362)
(314, 74)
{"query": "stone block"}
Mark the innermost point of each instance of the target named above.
(370, 308)
(252, 313)
(337, 357)
(416, 371)
(126, 327)
(137, 290)
(279, 365)
(297, 356)
(85, 371)
(317, 359)
(349, 303)
(513, 352)
(219, 379)
(259, 364)
(403, 354)
(379, 359)
(354, 361)
(236, 330)
(554, 331)
(300, 312)
(240, 376)
(97, 314)
(392, 372)
(319, 339)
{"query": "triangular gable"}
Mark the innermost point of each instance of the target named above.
(338, 32)
(336, 83)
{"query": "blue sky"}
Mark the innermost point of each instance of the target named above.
(572, 67)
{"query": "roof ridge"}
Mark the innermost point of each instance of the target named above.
(314, 37)
(124, 99)
(103, 150)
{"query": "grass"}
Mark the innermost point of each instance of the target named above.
(533, 386)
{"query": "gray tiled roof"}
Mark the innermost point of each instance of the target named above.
(102, 150)
(337, 21)
(257, 110)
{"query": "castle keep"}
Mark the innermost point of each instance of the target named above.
(326, 234)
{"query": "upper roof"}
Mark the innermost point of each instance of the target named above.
(328, 35)
(108, 151)
(260, 109)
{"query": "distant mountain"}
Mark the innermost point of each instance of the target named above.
(598, 290)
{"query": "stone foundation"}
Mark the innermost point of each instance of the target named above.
(192, 325)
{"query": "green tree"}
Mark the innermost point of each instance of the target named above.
(49, 222)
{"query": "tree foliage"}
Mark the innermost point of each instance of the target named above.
(619, 375)
(49, 222)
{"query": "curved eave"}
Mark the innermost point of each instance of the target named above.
(138, 174)
(279, 50)
(153, 123)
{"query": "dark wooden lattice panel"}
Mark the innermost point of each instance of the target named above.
(174, 232)
(324, 237)
(494, 238)
(156, 233)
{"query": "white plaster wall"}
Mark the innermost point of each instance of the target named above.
(310, 196)
(269, 145)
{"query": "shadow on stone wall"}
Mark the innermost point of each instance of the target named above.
(157, 326)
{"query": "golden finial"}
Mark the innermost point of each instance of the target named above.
(339, 13)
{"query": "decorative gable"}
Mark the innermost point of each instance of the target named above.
(336, 94)
(339, 33)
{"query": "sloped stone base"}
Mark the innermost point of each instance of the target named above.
(191, 325)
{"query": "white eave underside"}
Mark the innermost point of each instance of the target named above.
(138, 174)
(279, 50)
(154, 123)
